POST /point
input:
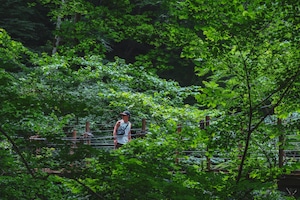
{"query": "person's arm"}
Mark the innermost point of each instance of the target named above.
(115, 132)
(129, 133)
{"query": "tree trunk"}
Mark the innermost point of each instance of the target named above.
(57, 38)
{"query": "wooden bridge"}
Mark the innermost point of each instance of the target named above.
(103, 139)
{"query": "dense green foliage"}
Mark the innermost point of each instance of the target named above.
(246, 59)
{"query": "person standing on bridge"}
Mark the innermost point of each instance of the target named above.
(122, 130)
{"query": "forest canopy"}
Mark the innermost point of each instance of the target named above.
(217, 83)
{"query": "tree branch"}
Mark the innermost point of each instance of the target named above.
(249, 122)
(251, 129)
(17, 150)
(89, 189)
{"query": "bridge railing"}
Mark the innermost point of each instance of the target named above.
(103, 139)
(98, 138)
(287, 153)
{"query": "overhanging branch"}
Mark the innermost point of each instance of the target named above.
(17, 150)
(253, 128)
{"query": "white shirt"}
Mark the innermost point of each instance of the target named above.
(123, 139)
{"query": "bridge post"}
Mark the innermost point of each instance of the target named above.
(202, 127)
(201, 124)
(177, 152)
(87, 127)
(281, 144)
(143, 127)
(86, 136)
(208, 161)
(74, 138)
